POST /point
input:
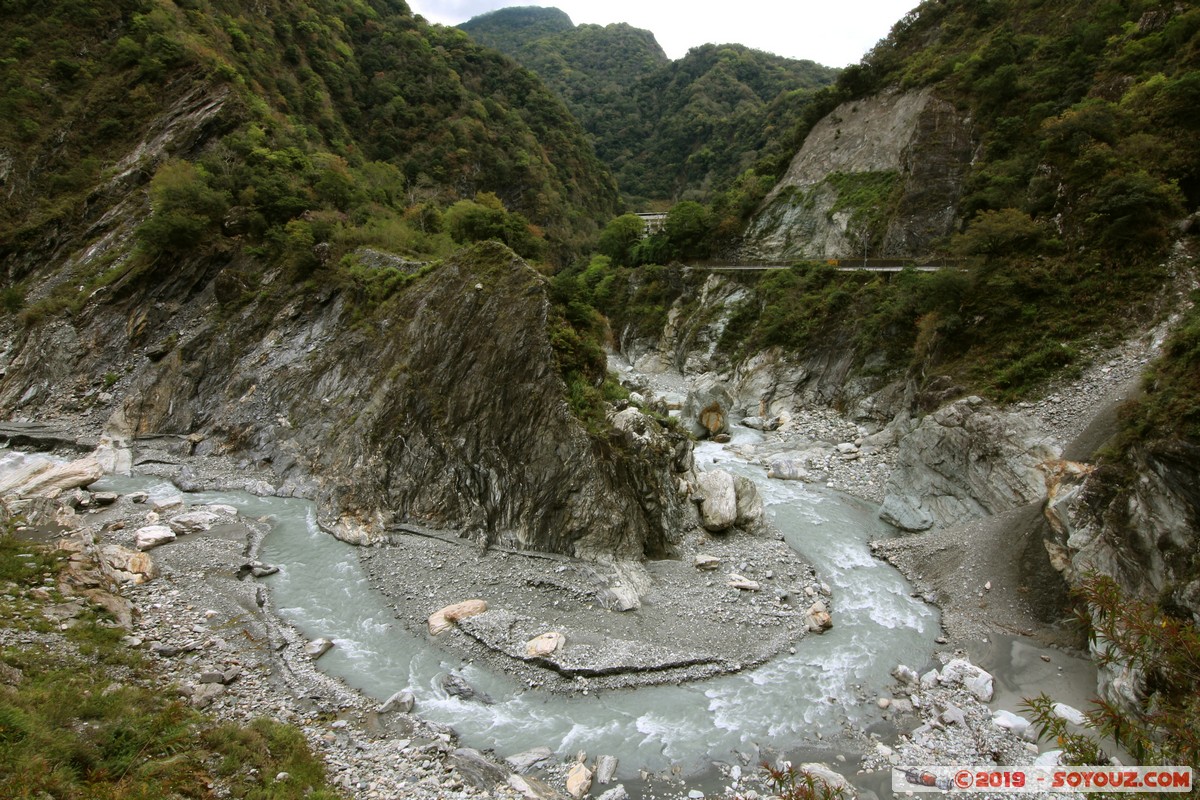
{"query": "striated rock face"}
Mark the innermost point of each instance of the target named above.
(444, 406)
(909, 150)
(688, 341)
(1141, 528)
(965, 460)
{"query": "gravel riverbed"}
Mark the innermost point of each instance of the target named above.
(199, 618)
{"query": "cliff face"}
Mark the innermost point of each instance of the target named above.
(443, 407)
(881, 175)
(768, 382)
(965, 461)
(1141, 527)
(195, 269)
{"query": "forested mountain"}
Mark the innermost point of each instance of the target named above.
(668, 130)
(231, 216)
(328, 118)
(1053, 147)
(1086, 113)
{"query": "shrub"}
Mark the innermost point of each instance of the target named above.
(12, 299)
(184, 208)
(1164, 650)
(789, 783)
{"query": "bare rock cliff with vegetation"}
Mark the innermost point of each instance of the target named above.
(270, 256)
(445, 406)
(882, 175)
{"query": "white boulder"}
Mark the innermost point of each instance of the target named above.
(152, 536)
(719, 506)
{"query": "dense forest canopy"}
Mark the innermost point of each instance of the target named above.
(344, 118)
(669, 130)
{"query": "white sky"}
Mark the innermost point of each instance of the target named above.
(831, 32)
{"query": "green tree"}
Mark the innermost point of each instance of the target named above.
(485, 218)
(687, 229)
(184, 208)
(620, 237)
(1133, 210)
(471, 221)
(993, 234)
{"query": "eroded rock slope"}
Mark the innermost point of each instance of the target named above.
(444, 406)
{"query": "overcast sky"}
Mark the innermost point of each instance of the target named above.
(830, 32)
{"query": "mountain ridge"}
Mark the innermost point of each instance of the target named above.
(668, 129)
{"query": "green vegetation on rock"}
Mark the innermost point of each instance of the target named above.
(87, 718)
(1170, 406)
(1083, 167)
(337, 118)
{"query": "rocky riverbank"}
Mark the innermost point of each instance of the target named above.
(186, 581)
(617, 625)
(965, 564)
(992, 573)
(219, 644)
(193, 607)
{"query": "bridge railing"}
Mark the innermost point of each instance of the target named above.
(843, 264)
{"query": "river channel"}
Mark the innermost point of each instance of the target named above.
(791, 702)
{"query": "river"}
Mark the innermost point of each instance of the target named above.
(791, 703)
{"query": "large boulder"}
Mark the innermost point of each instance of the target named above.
(762, 423)
(817, 617)
(317, 648)
(718, 504)
(545, 645)
(41, 476)
(749, 503)
(788, 469)
(458, 687)
(476, 769)
(606, 768)
(443, 619)
(579, 780)
(974, 679)
(799, 465)
(193, 522)
(905, 513)
(526, 761)
(152, 536)
(964, 461)
(128, 566)
(706, 409)
(402, 701)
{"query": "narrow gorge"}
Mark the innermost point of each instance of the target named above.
(340, 392)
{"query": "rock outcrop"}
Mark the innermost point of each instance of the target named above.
(766, 386)
(881, 174)
(966, 460)
(444, 405)
(1139, 525)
